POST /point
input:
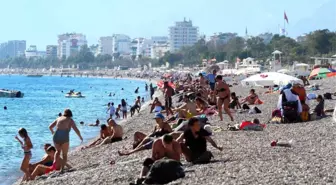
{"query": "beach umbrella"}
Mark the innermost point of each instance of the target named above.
(211, 68)
(319, 72)
(270, 79)
(332, 74)
(161, 83)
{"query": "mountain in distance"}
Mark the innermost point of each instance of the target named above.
(323, 18)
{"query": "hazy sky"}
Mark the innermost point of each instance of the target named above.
(40, 21)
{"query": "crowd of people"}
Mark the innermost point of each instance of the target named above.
(181, 127)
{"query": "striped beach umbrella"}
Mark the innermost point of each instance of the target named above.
(319, 73)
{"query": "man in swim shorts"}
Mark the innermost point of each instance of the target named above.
(116, 132)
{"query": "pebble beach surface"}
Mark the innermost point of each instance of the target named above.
(247, 157)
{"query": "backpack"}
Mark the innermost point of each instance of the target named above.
(290, 114)
(164, 171)
(305, 116)
(327, 96)
(204, 158)
(245, 107)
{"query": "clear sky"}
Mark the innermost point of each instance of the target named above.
(40, 21)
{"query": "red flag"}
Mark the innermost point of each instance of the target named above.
(285, 17)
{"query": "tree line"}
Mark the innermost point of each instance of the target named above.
(226, 46)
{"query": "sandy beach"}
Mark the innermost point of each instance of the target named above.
(247, 157)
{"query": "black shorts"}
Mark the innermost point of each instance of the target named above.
(116, 139)
(168, 102)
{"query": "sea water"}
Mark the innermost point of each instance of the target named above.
(43, 99)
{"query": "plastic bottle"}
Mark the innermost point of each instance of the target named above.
(282, 143)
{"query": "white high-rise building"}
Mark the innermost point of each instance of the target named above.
(69, 44)
(141, 47)
(105, 45)
(121, 45)
(182, 34)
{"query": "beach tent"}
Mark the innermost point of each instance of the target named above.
(319, 72)
(270, 79)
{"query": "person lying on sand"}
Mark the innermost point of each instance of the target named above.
(56, 165)
(116, 133)
(104, 133)
(46, 160)
(193, 141)
(163, 147)
(145, 142)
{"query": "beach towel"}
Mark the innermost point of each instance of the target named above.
(164, 171)
(248, 125)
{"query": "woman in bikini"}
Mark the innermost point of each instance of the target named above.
(26, 145)
(223, 93)
(61, 136)
(56, 165)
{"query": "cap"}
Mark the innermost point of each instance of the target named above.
(159, 115)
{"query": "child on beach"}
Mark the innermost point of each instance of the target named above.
(117, 111)
(234, 102)
(26, 146)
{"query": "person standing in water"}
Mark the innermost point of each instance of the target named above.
(124, 108)
(136, 90)
(26, 145)
(146, 87)
(151, 89)
(61, 137)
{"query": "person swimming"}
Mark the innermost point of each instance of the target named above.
(136, 90)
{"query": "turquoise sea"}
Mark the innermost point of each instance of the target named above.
(43, 100)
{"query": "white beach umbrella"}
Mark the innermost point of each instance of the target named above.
(270, 79)
(284, 71)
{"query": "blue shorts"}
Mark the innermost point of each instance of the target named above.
(212, 86)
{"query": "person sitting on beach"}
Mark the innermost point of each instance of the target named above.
(145, 142)
(46, 159)
(188, 109)
(163, 147)
(56, 165)
(117, 111)
(96, 124)
(319, 109)
(203, 81)
(234, 102)
(156, 105)
(251, 99)
(104, 133)
(212, 100)
(201, 105)
(193, 141)
(116, 133)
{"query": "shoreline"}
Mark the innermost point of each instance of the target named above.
(77, 148)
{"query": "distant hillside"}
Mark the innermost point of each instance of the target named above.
(323, 18)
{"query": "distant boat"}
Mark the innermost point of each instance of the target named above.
(10, 94)
(34, 75)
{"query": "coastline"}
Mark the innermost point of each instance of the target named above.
(90, 139)
(247, 157)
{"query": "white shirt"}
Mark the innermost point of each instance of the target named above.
(290, 97)
(112, 110)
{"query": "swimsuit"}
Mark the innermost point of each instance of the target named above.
(116, 139)
(51, 168)
(61, 136)
(26, 152)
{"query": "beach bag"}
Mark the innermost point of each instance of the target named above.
(204, 158)
(276, 113)
(164, 171)
(245, 107)
(327, 96)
